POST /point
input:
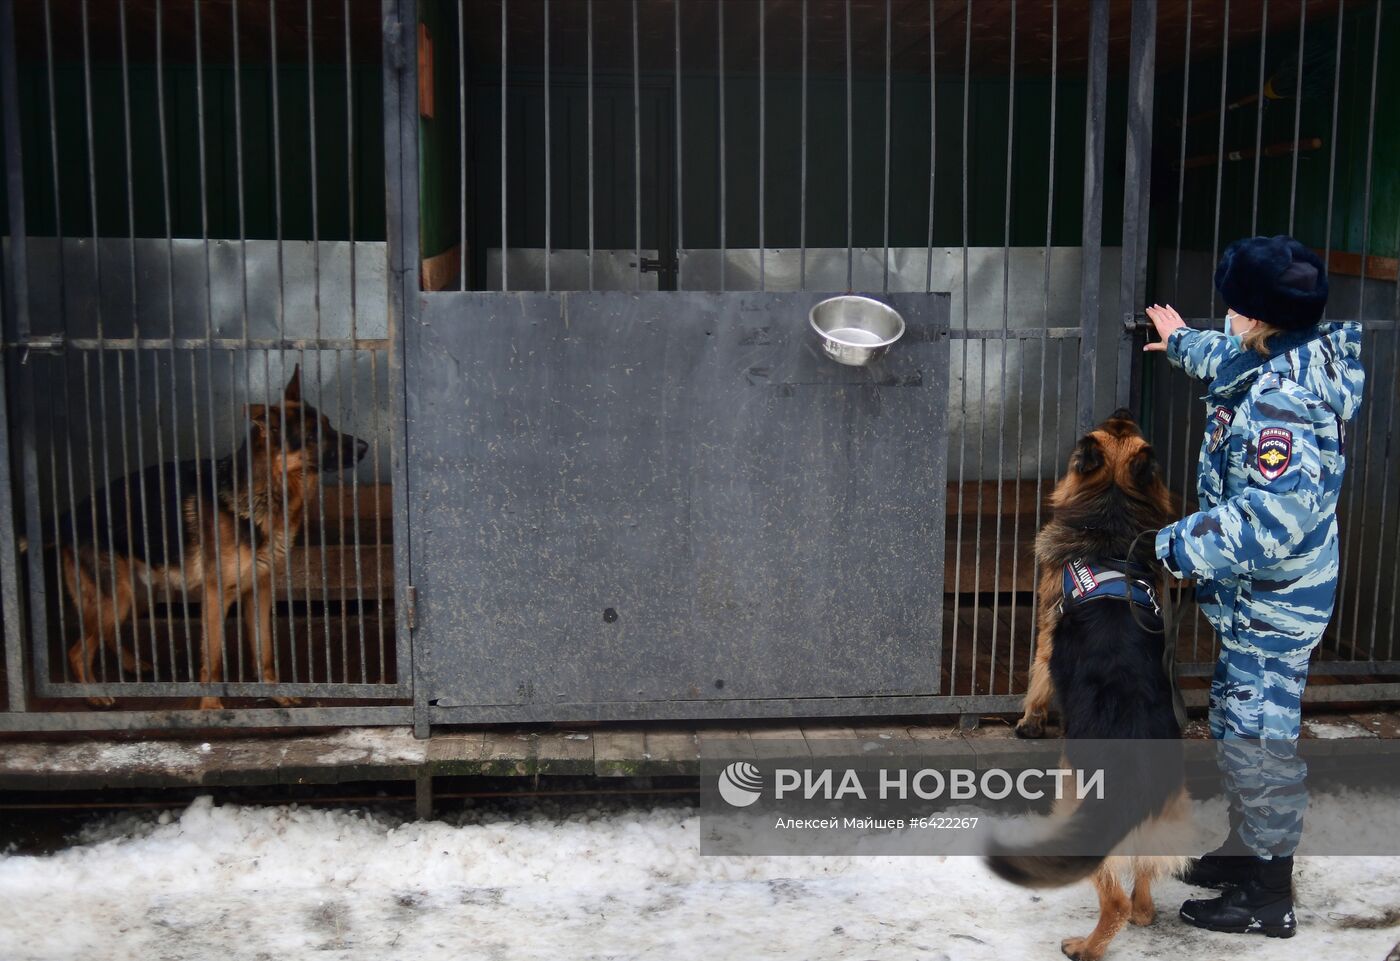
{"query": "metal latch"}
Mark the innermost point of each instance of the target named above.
(411, 606)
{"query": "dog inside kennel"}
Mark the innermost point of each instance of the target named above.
(204, 383)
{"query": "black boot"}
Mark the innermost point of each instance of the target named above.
(1228, 866)
(1262, 905)
(1218, 871)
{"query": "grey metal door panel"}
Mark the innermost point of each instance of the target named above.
(622, 497)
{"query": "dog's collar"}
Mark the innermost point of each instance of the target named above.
(1086, 580)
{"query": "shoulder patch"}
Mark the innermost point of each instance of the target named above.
(1269, 380)
(1219, 425)
(1275, 451)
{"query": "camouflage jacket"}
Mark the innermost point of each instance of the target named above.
(1263, 547)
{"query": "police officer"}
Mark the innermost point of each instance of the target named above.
(1263, 549)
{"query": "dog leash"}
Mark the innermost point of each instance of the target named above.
(1169, 606)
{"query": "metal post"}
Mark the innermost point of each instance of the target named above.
(1004, 348)
(190, 661)
(637, 151)
(1137, 176)
(850, 212)
(505, 134)
(1220, 143)
(136, 356)
(885, 241)
(1091, 241)
(932, 136)
(16, 292)
(1044, 349)
(723, 163)
(802, 164)
(423, 794)
(462, 148)
(1297, 112)
(962, 404)
(680, 165)
(1364, 441)
(548, 172)
(762, 143)
(1258, 115)
(401, 222)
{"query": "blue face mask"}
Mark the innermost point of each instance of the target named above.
(1238, 341)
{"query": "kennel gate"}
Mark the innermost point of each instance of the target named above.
(496, 317)
(556, 104)
(625, 166)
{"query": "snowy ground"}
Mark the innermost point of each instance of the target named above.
(269, 884)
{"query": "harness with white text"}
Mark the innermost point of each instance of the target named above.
(1086, 581)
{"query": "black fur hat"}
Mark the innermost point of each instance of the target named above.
(1273, 279)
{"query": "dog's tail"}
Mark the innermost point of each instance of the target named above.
(1138, 786)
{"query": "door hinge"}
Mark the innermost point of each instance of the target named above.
(410, 602)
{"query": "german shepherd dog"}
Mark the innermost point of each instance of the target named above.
(216, 541)
(1104, 657)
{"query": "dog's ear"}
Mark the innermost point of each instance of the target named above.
(1143, 467)
(1087, 456)
(293, 391)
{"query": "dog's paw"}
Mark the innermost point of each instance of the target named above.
(1078, 949)
(1143, 916)
(1030, 727)
(285, 701)
(133, 664)
(102, 702)
(211, 704)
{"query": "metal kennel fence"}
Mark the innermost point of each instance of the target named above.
(196, 218)
(550, 259)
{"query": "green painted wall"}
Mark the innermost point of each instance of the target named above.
(439, 183)
(614, 163)
(337, 145)
(615, 178)
(1238, 207)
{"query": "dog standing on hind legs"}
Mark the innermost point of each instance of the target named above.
(1100, 643)
(217, 541)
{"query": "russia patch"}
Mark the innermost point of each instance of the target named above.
(1275, 451)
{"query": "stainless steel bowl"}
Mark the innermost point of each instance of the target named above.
(856, 330)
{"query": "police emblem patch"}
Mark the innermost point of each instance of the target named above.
(1221, 426)
(1275, 451)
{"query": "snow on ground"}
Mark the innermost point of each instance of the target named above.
(1332, 730)
(271, 884)
(372, 746)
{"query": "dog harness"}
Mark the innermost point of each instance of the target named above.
(1088, 580)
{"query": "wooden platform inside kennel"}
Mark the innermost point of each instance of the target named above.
(337, 599)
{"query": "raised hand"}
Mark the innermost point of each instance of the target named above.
(1166, 320)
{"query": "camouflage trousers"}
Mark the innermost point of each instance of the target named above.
(1255, 714)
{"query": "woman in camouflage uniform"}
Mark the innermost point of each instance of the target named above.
(1263, 548)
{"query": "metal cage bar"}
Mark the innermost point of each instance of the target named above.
(1096, 109)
